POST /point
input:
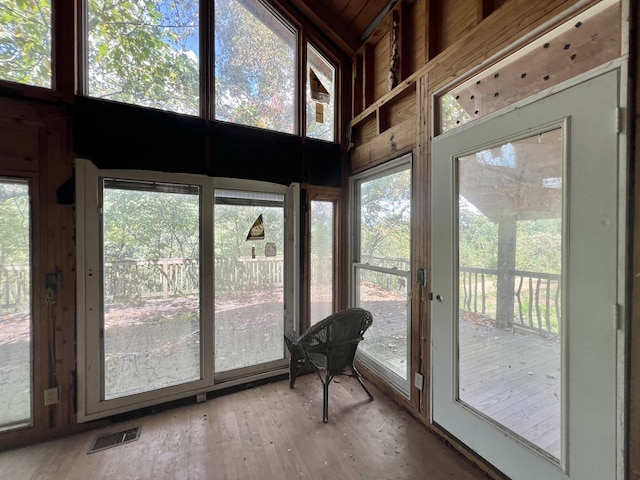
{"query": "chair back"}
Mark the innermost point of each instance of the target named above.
(340, 335)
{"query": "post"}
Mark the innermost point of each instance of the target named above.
(506, 265)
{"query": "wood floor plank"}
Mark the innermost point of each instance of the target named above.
(270, 431)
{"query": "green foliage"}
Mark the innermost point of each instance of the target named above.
(255, 67)
(385, 217)
(144, 53)
(141, 225)
(25, 41)
(14, 223)
(478, 238)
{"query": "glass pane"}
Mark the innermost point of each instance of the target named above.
(385, 241)
(15, 304)
(249, 301)
(590, 39)
(320, 96)
(144, 53)
(321, 271)
(385, 215)
(510, 267)
(385, 296)
(151, 238)
(25, 42)
(255, 74)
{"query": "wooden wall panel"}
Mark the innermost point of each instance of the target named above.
(366, 131)
(415, 22)
(382, 57)
(392, 143)
(402, 108)
(35, 144)
(457, 17)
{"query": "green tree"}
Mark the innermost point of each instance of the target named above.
(145, 53)
(254, 67)
(15, 225)
(142, 52)
(25, 41)
(385, 219)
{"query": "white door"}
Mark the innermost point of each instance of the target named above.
(525, 282)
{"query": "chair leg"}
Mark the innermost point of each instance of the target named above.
(325, 403)
(294, 364)
(356, 374)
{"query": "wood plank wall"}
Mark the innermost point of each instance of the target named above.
(449, 39)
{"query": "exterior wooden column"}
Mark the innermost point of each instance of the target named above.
(506, 265)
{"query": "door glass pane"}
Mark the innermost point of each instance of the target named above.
(385, 241)
(249, 270)
(510, 267)
(321, 271)
(151, 238)
(15, 304)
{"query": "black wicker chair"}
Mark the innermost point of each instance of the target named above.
(330, 345)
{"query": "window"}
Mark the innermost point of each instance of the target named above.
(381, 268)
(144, 53)
(320, 96)
(255, 74)
(25, 42)
(15, 304)
(322, 260)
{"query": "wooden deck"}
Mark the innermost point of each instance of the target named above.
(511, 376)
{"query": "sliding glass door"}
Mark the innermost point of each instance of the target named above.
(249, 269)
(184, 283)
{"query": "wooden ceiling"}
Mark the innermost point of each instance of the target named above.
(346, 22)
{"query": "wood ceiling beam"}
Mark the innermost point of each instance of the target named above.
(332, 27)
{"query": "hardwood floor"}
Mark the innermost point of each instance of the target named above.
(266, 432)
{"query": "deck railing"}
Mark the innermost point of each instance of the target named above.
(536, 297)
(15, 289)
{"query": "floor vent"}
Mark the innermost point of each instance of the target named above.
(108, 440)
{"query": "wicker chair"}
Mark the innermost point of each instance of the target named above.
(330, 345)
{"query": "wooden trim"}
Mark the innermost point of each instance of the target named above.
(63, 65)
(633, 341)
(335, 30)
(368, 79)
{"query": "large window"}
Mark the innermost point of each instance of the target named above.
(144, 53)
(255, 56)
(15, 304)
(381, 267)
(25, 42)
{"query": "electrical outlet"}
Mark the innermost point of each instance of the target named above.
(201, 397)
(51, 396)
(418, 381)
